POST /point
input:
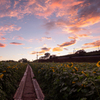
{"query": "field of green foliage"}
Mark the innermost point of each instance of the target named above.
(68, 81)
(10, 76)
(59, 81)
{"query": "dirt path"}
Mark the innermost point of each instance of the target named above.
(29, 92)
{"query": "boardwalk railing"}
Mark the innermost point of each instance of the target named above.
(19, 91)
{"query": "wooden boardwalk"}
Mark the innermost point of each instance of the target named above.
(29, 88)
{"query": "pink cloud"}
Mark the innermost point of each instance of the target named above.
(2, 38)
(42, 51)
(18, 38)
(9, 28)
(94, 44)
(20, 8)
(16, 43)
(16, 3)
(48, 38)
(2, 45)
(65, 44)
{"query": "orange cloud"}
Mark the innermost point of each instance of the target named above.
(2, 38)
(92, 44)
(96, 43)
(2, 45)
(39, 52)
(42, 51)
(65, 44)
(16, 43)
(57, 49)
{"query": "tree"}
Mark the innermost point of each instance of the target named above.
(47, 54)
(80, 52)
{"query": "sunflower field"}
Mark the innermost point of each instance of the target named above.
(10, 76)
(68, 81)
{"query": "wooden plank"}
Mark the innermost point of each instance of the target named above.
(19, 92)
(32, 74)
(39, 93)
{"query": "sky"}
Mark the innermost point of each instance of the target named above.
(59, 27)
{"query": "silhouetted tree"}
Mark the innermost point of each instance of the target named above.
(80, 52)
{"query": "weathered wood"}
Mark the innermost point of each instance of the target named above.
(19, 92)
(32, 74)
(39, 93)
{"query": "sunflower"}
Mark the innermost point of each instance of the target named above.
(98, 64)
(1, 75)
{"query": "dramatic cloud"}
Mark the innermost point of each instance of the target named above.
(16, 43)
(2, 45)
(17, 9)
(65, 44)
(57, 49)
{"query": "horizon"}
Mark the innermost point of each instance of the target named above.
(55, 26)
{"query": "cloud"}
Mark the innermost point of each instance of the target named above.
(9, 28)
(18, 38)
(65, 49)
(73, 29)
(42, 51)
(44, 38)
(56, 49)
(17, 9)
(45, 49)
(50, 25)
(48, 38)
(16, 43)
(2, 45)
(2, 38)
(92, 44)
(65, 44)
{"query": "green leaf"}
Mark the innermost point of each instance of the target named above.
(98, 77)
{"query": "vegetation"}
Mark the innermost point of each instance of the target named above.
(59, 81)
(68, 81)
(10, 76)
